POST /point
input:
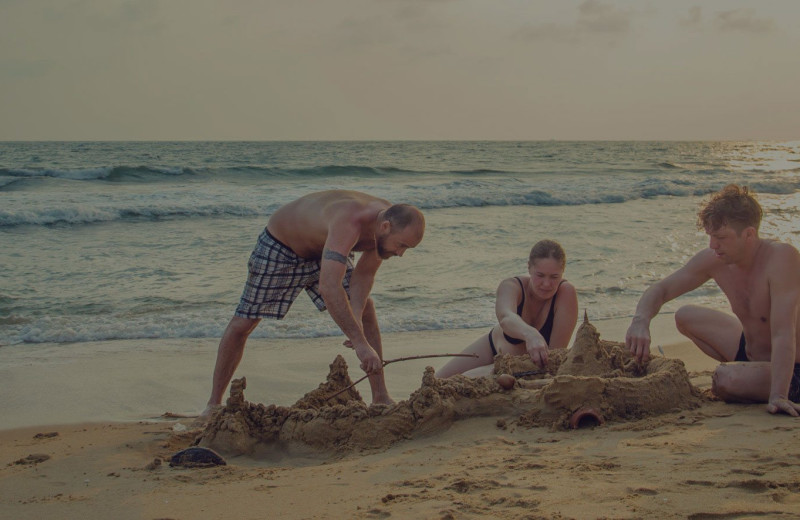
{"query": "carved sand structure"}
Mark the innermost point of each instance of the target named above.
(590, 383)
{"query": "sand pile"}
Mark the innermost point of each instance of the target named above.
(594, 375)
(602, 379)
(588, 356)
(345, 422)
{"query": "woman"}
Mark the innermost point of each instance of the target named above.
(535, 312)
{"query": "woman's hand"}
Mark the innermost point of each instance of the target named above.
(537, 349)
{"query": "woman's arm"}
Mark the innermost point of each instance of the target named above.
(509, 294)
(566, 316)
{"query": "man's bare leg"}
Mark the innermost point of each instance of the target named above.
(742, 382)
(377, 382)
(717, 334)
(229, 354)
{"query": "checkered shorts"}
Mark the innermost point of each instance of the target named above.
(275, 277)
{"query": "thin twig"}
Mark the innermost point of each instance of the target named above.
(347, 387)
(408, 358)
(529, 373)
(427, 356)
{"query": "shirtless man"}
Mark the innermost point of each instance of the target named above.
(309, 244)
(759, 348)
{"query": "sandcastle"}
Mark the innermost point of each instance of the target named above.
(592, 382)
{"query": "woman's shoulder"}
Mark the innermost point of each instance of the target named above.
(567, 289)
(516, 280)
(514, 284)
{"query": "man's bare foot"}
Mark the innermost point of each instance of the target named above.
(383, 400)
(202, 420)
(210, 410)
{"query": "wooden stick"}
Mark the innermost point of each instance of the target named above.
(529, 373)
(408, 358)
(427, 356)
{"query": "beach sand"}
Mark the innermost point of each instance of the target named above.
(81, 432)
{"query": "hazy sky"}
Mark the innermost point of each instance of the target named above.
(399, 69)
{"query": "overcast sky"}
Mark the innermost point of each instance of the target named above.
(399, 69)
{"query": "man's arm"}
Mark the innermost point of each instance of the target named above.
(784, 289)
(342, 236)
(361, 281)
(695, 273)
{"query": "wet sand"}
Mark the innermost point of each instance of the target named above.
(711, 461)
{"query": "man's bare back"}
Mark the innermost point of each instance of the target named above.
(304, 224)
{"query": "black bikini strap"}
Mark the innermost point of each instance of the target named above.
(522, 303)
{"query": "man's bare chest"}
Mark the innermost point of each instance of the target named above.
(749, 296)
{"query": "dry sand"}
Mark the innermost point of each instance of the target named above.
(712, 461)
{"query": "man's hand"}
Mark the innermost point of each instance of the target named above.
(780, 404)
(537, 350)
(370, 361)
(638, 340)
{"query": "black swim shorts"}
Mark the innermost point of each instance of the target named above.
(794, 386)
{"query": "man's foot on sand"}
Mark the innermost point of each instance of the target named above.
(207, 414)
(388, 401)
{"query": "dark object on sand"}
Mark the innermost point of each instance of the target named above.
(197, 457)
(34, 458)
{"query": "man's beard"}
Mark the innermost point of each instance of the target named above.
(382, 252)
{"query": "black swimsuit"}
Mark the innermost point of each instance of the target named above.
(794, 386)
(545, 331)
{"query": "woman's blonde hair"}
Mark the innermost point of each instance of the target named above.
(548, 249)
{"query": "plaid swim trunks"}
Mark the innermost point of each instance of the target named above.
(275, 277)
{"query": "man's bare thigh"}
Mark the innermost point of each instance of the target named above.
(717, 329)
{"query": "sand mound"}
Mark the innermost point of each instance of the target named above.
(345, 422)
(594, 375)
(588, 356)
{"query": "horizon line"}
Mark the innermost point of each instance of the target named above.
(675, 140)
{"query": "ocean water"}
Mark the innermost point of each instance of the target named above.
(132, 240)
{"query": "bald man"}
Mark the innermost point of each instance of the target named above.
(309, 244)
